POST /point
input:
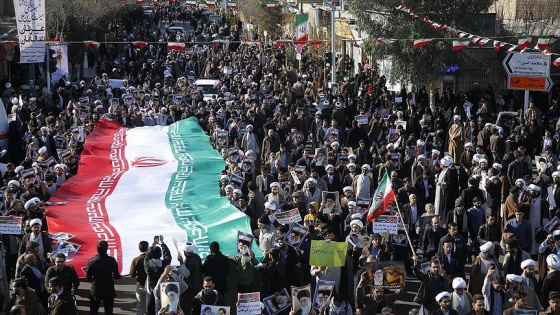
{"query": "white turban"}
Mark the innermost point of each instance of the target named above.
(436, 151)
(357, 222)
(329, 167)
(35, 221)
(62, 167)
(42, 150)
(459, 283)
(469, 144)
(350, 165)
(447, 161)
(275, 184)
(420, 142)
(311, 179)
(14, 182)
(270, 205)
(351, 156)
(238, 191)
(348, 188)
(486, 247)
(366, 166)
(497, 165)
(189, 247)
(421, 157)
(335, 144)
(552, 261)
(442, 295)
(534, 187)
(483, 161)
(18, 169)
(351, 203)
(528, 263)
(514, 278)
(457, 117)
(29, 203)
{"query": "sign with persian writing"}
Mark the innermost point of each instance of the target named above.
(10, 225)
(31, 26)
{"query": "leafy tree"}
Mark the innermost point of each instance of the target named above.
(266, 19)
(379, 19)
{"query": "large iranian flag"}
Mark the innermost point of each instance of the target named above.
(382, 198)
(302, 28)
(133, 184)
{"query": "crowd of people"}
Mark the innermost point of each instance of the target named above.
(465, 187)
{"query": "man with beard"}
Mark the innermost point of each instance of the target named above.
(172, 292)
(481, 266)
(478, 306)
(553, 304)
(520, 300)
(46, 140)
(514, 284)
(528, 275)
(433, 281)
(207, 296)
(495, 298)
(332, 179)
(513, 257)
(376, 300)
(461, 300)
(250, 141)
(101, 271)
(447, 187)
(61, 301)
(552, 280)
(304, 298)
(444, 301)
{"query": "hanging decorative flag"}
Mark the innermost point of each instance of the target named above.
(11, 42)
(475, 39)
(524, 41)
(546, 52)
(463, 34)
(232, 4)
(93, 44)
(315, 42)
(140, 44)
(385, 40)
(270, 5)
(210, 3)
(219, 41)
(556, 62)
(511, 49)
(176, 46)
(460, 44)
(302, 28)
(543, 42)
(191, 3)
(497, 45)
(483, 41)
(281, 42)
(421, 42)
(139, 1)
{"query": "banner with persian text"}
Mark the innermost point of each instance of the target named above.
(31, 26)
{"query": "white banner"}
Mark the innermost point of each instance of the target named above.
(61, 57)
(31, 25)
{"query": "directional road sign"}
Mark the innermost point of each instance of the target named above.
(527, 64)
(542, 84)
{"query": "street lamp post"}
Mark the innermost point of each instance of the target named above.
(333, 49)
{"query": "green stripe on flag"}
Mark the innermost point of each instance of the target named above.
(193, 195)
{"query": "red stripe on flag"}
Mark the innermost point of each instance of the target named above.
(85, 215)
(384, 205)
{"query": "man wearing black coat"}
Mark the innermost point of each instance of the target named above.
(61, 301)
(156, 260)
(101, 271)
(432, 237)
(216, 266)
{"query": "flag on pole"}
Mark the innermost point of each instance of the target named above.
(460, 44)
(556, 62)
(232, 4)
(191, 2)
(93, 44)
(270, 5)
(385, 40)
(382, 198)
(524, 42)
(497, 45)
(210, 3)
(302, 28)
(421, 42)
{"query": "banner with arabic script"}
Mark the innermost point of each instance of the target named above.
(31, 25)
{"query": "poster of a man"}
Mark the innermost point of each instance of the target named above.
(322, 294)
(301, 301)
(214, 310)
(170, 299)
(60, 54)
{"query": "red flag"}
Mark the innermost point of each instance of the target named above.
(556, 62)
(93, 44)
(140, 44)
(421, 42)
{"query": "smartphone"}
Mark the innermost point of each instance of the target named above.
(156, 238)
